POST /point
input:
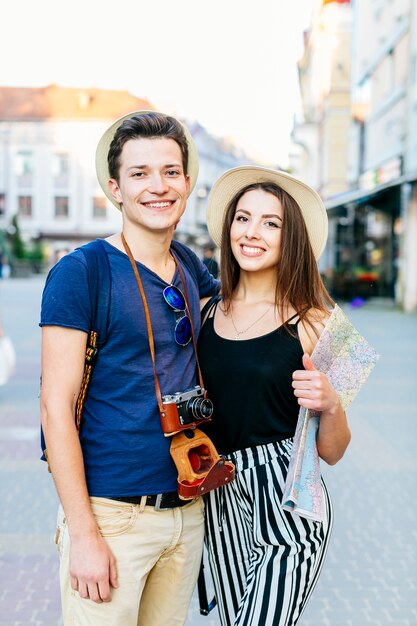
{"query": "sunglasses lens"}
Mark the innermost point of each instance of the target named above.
(174, 298)
(183, 331)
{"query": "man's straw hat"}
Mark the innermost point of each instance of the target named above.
(234, 180)
(103, 151)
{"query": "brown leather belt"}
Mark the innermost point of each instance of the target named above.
(160, 501)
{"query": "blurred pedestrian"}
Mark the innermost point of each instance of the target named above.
(7, 356)
(130, 547)
(209, 260)
(255, 347)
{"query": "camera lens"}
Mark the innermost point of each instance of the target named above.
(199, 408)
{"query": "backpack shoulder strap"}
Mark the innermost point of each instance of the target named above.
(99, 285)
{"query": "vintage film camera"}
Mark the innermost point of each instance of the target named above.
(200, 467)
(184, 410)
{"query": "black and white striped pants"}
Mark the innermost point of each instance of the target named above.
(264, 561)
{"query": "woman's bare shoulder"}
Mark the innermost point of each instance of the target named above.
(318, 318)
(311, 327)
(204, 301)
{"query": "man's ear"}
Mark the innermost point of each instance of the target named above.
(115, 190)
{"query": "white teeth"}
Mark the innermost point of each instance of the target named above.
(251, 250)
(158, 205)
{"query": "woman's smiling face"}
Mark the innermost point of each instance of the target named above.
(255, 234)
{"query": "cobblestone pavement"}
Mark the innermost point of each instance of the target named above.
(370, 576)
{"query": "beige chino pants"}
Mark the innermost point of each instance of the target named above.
(158, 555)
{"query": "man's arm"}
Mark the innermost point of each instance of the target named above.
(92, 565)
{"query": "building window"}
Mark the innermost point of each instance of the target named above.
(99, 207)
(61, 207)
(24, 204)
(23, 168)
(60, 169)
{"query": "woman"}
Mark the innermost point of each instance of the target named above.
(255, 348)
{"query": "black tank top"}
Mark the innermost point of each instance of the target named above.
(249, 382)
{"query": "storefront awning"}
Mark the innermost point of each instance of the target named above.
(336, 204)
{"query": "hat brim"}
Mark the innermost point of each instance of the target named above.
(103, 147)
(234, 180)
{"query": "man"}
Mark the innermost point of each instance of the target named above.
(210, 261)
(129, 555)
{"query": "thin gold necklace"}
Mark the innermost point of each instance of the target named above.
(242, 332)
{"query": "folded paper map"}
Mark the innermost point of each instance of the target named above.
(347, 359)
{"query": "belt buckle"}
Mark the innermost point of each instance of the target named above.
(158, 502)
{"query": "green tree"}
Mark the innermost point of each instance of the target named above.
(36, 252)
(17, 245)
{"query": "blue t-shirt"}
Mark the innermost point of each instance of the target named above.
(125, 452)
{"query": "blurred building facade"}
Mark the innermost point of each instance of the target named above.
(319, 138)
(373, 207)
(48, 138)
(319, 154)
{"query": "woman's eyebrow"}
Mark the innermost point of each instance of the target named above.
(265, 215)
(272, 215)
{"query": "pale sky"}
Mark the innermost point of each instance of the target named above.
(230, 64)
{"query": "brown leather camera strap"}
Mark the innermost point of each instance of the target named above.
(149, 322)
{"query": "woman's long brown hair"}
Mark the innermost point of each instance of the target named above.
(299, 284)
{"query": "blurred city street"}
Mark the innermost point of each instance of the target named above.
(370, 576)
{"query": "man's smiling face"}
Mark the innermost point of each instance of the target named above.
(152, 186)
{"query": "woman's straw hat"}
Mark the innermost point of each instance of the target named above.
(104, 146)
(231, 182)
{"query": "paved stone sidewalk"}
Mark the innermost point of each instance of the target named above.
(370, 576)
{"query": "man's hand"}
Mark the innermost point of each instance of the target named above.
(92, 568)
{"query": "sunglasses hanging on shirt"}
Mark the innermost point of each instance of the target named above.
(176, 300)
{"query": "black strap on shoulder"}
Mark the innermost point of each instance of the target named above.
(208, 307)
(299, 315)
(290, 319)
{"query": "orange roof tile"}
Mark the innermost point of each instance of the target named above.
(40, 103)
